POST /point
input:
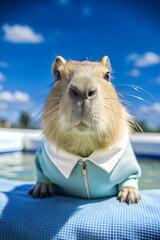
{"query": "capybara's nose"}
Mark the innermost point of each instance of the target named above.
(83, 86)
(81, 94)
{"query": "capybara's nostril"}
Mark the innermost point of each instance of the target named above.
(74, 91)
(92, 93)
(82, 93)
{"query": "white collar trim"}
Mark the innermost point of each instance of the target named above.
(105, 159)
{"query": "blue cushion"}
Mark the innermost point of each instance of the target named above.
(61, 217)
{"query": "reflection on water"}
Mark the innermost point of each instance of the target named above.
(19, 166)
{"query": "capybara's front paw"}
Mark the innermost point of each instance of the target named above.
(129, 195)
(41, 190)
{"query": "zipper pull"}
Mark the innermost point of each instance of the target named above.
(84, 168)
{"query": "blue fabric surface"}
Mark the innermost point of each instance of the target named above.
(60, 217)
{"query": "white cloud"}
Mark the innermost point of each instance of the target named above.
(21, 96)
(134, 73)
(2, 77)
(6, 96)
(14, 97)
(21, 34)
(152, 109)
(1, 87)
(152, 114)
(147, 59)
(3, 64)
(144, 60)
(132, 57)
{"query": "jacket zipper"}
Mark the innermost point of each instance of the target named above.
(84, 168)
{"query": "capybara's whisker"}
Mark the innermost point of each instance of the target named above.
(137, 88)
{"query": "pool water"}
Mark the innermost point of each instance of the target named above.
(19, 166)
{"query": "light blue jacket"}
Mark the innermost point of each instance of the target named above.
(87, 180)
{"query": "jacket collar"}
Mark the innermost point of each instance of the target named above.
(105, 159)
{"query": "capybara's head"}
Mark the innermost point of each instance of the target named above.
(83, 112)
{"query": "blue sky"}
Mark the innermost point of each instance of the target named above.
(33, 33)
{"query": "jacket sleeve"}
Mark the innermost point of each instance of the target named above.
(39, 172)
(133, 182)
(131, 169)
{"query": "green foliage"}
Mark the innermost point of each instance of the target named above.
(144, 127)
(24, 120)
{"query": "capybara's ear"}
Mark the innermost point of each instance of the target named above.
(57, 63)
(105, 61)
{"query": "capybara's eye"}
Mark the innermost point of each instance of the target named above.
(57, 76)
(107, 76)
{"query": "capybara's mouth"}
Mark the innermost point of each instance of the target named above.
(82, 126)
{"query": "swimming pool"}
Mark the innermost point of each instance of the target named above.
(20, 166)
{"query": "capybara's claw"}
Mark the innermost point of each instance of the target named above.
(129, 195)
(41, 190)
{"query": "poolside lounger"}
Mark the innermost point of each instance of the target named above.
(62, 217)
